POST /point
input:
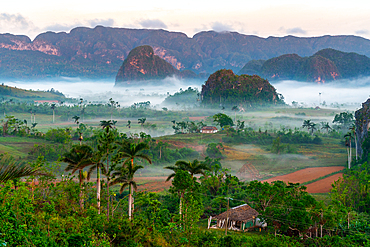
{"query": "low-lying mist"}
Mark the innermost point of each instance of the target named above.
(333, 94)
(101, 91)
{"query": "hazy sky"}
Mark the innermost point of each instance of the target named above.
(263, 17)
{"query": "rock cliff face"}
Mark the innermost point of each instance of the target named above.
(325, 65)
(225, 88)
(142, 65)
(362, 125)
(100, 51)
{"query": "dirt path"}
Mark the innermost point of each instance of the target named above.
(306, 175)
(323, 185)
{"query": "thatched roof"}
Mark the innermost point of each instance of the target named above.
(240, 213)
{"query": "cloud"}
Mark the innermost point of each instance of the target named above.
(296, 30)
(220, 27)
(104, 22)
(14, 21)
(61, 27)
(91, 23)
(153, 23)
(363, 31)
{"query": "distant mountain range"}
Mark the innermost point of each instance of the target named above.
(325, 65)
(99, 52)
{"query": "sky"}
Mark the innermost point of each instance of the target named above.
(263, 18)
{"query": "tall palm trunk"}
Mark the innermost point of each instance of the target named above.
(81, 190)
(130, 203)
(180, 207)
(350, 154)
(53, 116)
(98, 187)
(130, 198)
(108, 195)
(356, 147)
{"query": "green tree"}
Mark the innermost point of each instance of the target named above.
(53, 108)
(307, 124)
(127, 152)
(124, 175)
(222, 120)
(326, 126)
(235, 109)
(344, 119)
(11, 169)
(79, 157)
(76, 118)
(348, 143)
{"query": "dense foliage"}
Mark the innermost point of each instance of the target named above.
(188, 97)
(225, 88)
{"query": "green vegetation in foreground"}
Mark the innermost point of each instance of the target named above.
(63, 212)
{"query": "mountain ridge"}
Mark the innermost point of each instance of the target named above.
(325, 65)
(100, 51)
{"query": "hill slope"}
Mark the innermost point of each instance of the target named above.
(7, 92)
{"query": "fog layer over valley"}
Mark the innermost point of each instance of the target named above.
(101, 91)
(351, 93)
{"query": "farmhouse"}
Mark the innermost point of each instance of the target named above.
(208, 129)
(239, 218)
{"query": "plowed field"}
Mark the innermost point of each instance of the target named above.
(323, 185)
(306, 175)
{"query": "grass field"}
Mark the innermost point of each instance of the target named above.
(246, 161)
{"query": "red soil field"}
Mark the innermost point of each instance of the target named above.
(323, 185)
(306, 175)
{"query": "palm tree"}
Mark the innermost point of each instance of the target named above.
(106, 125)
(194, 168)
(30, 110)
(128, 124)
(83, 113)
(306, 124)
(113, 104)
(312, 127)
(353, 131)
(348, 139)
(106, 147)
(11, 169)
(141, 121)
(76, 118)
(96, 165)
(128, 152)
(53, 108)
(326, 126)
(79, 157)
(125, 176)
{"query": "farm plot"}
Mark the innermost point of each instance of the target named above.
(323, 185)
(306, 175)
